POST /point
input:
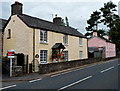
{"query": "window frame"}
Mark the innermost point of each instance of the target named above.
(9, 34)
(65, 39)
(80, 41)
(43, 36)
(65, 56)
(43, 56)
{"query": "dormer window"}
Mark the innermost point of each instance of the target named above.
(43, 36)
(9, 34)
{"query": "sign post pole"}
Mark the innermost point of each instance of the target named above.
(10, 67)
(10, 55)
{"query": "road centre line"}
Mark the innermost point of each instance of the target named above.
(107, 69)
(74, 83)
(80, 68)
(35, 80)
(7, 87)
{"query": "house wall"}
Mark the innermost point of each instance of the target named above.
(73, 47)
(109, 47)
(21, 38)
(22, 42)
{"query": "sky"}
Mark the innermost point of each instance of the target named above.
(77, 11)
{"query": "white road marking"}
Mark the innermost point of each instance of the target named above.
(107, 69)
(55, 75)
(7, 87)
(35, 80)
(74, 83)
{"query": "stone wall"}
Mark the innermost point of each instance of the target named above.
(52, 67)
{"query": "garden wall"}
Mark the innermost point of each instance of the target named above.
(52, 67)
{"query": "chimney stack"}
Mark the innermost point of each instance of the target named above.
(94, 33)
(16, 8)
(57, 20)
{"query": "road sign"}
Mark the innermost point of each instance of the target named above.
(10, 53)
(100, 48)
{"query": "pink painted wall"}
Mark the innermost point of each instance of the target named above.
(96, 42)
(110, 50)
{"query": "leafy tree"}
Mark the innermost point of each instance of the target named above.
(100, 32)
(108, 17)
(93, 21)
(108, 13)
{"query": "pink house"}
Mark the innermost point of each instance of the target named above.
(100, 47)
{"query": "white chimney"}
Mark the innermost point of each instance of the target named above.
(94, 33)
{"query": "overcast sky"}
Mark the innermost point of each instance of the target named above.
(77, 11)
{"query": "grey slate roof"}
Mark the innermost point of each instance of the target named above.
(50, 26)
(58, 45)
(2, 23)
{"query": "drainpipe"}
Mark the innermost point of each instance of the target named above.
(2, 42)
(33, 49)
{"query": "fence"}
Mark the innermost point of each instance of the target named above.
(52, 67)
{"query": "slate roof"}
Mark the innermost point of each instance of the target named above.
(105, 39)
(58, 45)
(2, 23)
(50, 26)
(101, 38)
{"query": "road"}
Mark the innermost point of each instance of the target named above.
(97, 76)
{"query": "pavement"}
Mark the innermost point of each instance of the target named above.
(24, 77)
(33, 76)
(96, 76)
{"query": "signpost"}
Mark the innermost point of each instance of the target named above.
(10, 55)
(100, 48)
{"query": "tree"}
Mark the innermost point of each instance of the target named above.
(93, 21)
(108, 17)
(100, 32)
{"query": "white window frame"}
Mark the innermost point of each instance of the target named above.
(65, 55)
(81, 54)
(44, 56)
(44, 40)
(80, 42)
(65, 39)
